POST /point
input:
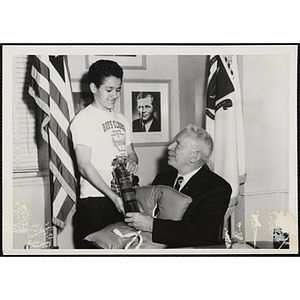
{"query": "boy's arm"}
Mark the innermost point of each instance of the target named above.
(132, 160)
(89, 172)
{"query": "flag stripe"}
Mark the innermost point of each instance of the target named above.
(60, 196)
(42, 81)
(41, 65)
(58, 154)
(66, 208)
(57, 63)
(52, 92)
(39, 91)
(59, 91)
(66, 182)
(59, 119)
(59, 99)
(65, 213)
(60, 135)
(42, 95)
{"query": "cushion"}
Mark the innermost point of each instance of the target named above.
(147, 197)
(172, 206)
(107, 239)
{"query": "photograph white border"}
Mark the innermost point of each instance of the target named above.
(9, 51)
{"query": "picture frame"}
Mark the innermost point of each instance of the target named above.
(158, 133)
(126, 61)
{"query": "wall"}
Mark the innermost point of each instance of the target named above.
(29, 217)
(266, 98)
(192, 83)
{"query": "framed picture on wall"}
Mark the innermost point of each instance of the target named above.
(126, 61)
(146, 104)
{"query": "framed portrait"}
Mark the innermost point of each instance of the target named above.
(146, 104)
(126, 61)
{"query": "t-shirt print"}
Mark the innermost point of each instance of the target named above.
(119, 141)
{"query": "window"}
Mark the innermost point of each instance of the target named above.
(25, 152)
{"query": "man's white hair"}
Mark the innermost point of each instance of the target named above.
(201, 141)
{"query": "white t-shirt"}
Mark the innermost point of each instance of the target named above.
(107, 134)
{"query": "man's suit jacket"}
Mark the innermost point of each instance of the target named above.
(203, 219)
(137, 125)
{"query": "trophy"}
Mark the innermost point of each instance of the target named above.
(124, 181)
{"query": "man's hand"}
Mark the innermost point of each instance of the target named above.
(139, 221)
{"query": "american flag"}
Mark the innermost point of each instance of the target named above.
(224, 122)
(51, 90)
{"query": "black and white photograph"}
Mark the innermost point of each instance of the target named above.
(146, 104)
(146, 111)
(184, 150)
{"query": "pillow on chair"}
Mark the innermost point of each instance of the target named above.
(172, 206)
(147, 197)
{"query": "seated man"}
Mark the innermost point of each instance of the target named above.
(203, 219)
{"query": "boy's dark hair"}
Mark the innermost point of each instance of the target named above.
(102, 69)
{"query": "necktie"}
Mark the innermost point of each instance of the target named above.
(143, 127)
(178, 183)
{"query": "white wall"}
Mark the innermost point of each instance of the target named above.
(266, 97)
(192, 85)
(29, 212)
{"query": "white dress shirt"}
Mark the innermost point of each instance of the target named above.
(186, 178)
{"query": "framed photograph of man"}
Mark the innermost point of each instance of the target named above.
(146, 111)
(146, 104)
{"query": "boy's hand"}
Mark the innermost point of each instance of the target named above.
(131, 167)
(119, 204)
(115, 187)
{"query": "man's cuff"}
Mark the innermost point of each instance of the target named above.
(157, 230)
